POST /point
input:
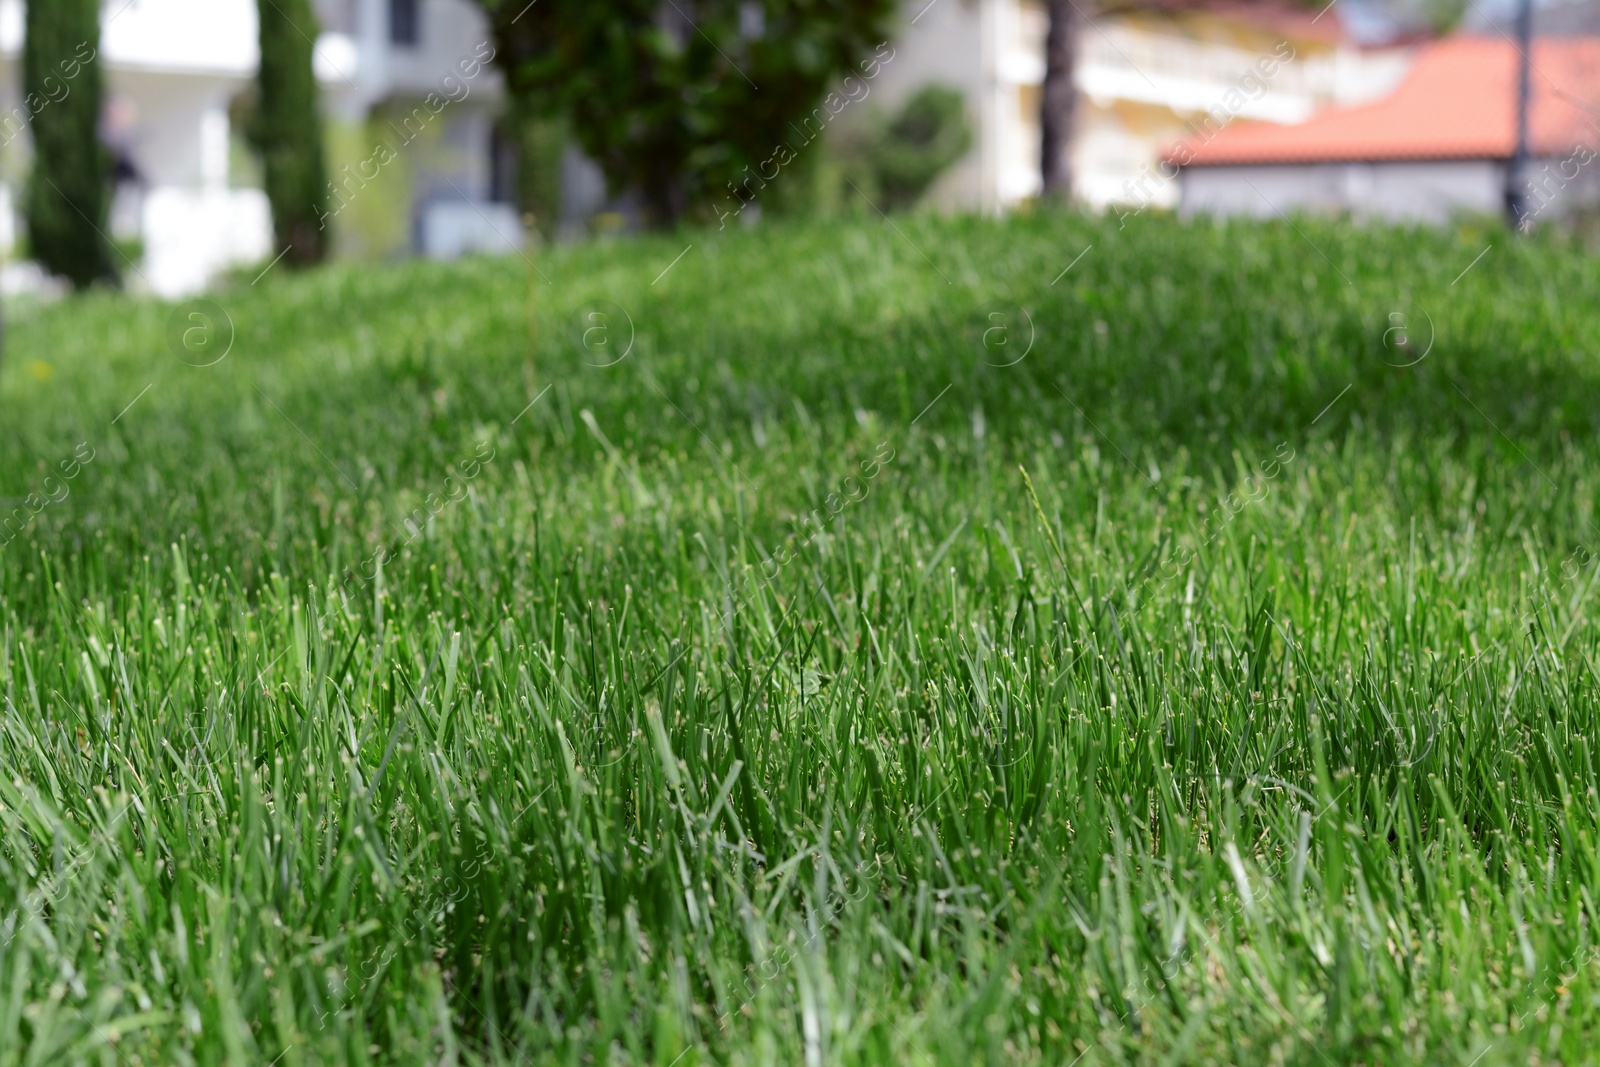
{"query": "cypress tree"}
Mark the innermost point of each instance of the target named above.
(287, 130)
(68, 196)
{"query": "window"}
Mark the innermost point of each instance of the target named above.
(405, 22)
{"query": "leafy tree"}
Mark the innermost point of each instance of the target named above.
(539, 141)
(680, 99)
(287, 130)
(69, 194)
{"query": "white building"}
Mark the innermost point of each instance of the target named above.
(381, 63)
(175, 71)
(1438, 146)
(1146, 80)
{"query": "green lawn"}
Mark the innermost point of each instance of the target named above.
(835, 678)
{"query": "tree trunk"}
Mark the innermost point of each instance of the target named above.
(1058, 101)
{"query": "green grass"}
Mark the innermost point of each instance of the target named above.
(616, 761)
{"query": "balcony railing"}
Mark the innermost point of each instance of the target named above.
(1222, 67)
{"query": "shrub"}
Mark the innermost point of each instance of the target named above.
(920, 143)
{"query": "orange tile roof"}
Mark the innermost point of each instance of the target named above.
(1457, 102)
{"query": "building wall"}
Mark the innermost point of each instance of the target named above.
(436, 195)
(361, 66)
(1401, 192)
(1150, 80)
(1146, 81)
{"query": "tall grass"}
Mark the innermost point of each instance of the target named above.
(820, 683)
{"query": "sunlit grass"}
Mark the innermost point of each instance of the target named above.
(741, 702)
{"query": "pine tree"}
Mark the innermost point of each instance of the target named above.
(287, 130)
(68, 196)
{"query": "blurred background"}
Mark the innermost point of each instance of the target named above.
(444, 128)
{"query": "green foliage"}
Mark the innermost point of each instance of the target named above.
(672, 99)
(1267, 735)
(540, 141)
(68, 195)
(287, 130)
(374, 181)
(1438, 16)
(920, 143)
